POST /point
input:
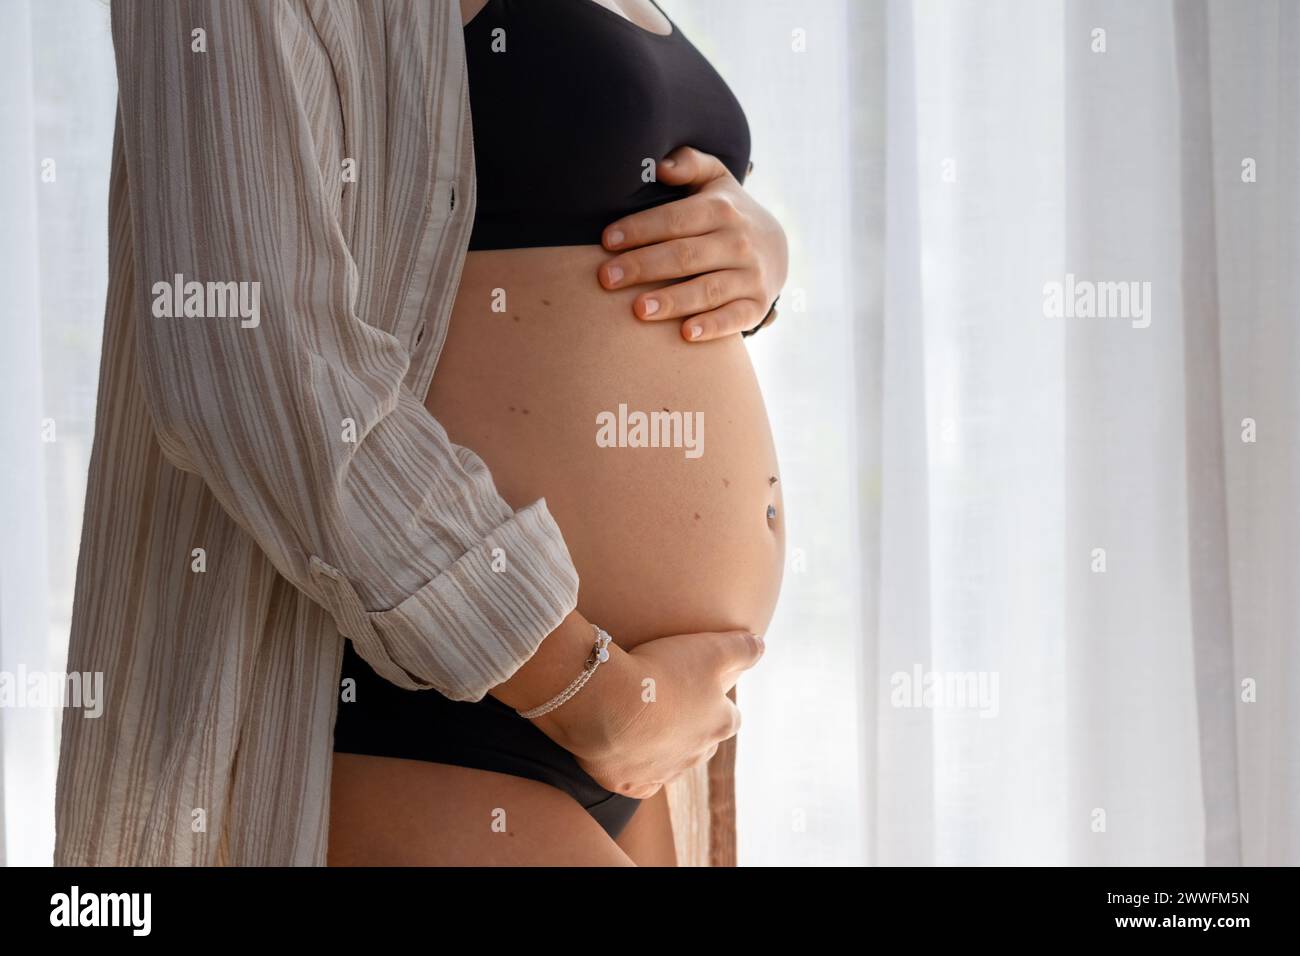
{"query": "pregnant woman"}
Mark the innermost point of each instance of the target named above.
(592, 361)
(280, 494)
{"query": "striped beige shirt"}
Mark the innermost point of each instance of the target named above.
(291, 200)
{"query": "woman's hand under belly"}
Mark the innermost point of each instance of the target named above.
(666, 540)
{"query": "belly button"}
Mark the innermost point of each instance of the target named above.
(771, 512)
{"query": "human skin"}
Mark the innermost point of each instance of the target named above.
(664, 544)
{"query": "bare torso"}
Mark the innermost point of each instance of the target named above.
(666, 540)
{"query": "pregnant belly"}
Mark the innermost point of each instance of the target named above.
(653, 454)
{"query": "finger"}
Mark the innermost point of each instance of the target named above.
(701, 294)
(731, 319)
(770, 317)
(688, 166)
(676, 259)
(731, 723)
(732, 651)
(644, 792)
(694, 215)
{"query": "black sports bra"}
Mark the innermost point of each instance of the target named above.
(569, 112)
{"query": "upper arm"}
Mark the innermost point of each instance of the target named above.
(302, 425)
(469, 10)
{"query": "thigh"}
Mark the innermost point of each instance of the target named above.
(390, 812)
(648, 837)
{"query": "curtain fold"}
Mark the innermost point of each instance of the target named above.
(1254, 125)
(866, 76)
(26, 733)
(903, 783)
(57, 94)
(1208, 562)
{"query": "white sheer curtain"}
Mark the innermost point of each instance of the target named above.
(957, 465)
(57, 95)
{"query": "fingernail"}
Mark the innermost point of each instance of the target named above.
(670, 162)
(615, 237)
(651, 306)
(615, 274)
(694, 332)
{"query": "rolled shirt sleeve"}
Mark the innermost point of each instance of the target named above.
(300, 422)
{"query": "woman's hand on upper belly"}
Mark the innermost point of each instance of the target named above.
(729, 249)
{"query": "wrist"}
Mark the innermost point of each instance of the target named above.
(590, 722)
(553, 664)
(599, 655)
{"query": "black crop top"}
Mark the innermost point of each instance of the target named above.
(567, 115)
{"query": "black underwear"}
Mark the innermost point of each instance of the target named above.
(567, 115)
(388, 721)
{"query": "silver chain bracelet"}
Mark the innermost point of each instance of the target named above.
(599, 654)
